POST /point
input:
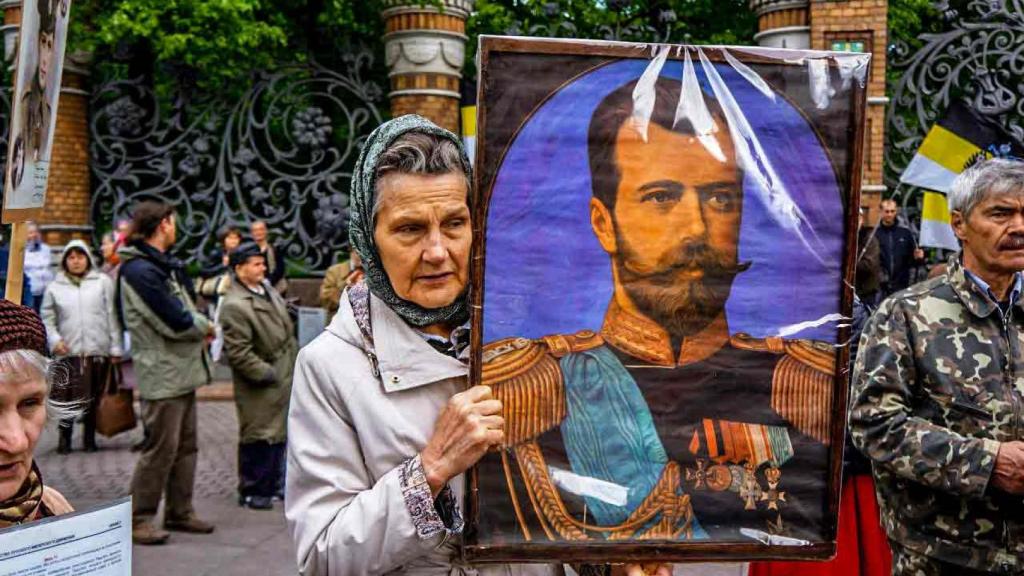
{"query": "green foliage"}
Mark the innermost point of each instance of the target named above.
(220, 41)
(908, 19)
(682, 21)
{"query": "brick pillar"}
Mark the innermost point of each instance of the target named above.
(425, 46)
(860, 24)
(782, 23)
(68, 190)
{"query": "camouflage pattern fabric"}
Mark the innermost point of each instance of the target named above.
(937, 387)
(909, 563)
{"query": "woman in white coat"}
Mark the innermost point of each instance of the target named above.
(381, 426)
(83, 329)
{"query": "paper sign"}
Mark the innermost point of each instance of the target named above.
(311, 323)
(44, 25)
(96, 541)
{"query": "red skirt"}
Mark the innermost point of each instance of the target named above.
(862, 548)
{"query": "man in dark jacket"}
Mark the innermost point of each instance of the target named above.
(899, 250)
(168, 339)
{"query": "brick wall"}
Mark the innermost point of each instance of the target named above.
(440, 110)
(860, 20)
(68, 190)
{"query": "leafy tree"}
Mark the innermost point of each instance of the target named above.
(907, 20)
(216, 41)
(682, 21)
(218, 44)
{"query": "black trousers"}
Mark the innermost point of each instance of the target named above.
(86, 377)
(260, 468)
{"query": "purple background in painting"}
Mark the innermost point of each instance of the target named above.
(546, 272)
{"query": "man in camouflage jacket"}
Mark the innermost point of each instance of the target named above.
(937, 401)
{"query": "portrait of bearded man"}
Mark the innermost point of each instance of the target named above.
(36, 101)
(661, 425)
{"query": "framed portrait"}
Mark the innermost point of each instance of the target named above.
(40, 62)
(663, 280)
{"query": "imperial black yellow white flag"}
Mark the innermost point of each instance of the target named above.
(957, 141)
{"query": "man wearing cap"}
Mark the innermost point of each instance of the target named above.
(260, 346)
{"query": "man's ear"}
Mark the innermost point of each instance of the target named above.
(959, 224)
(604, 228)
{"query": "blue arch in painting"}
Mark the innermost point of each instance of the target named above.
(547, 274)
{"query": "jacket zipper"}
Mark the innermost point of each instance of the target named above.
(1014, 396)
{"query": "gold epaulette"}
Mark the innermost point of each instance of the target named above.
(524, 374)
(803, 382)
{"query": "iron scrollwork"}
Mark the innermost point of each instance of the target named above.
(282, 153)
(978, 58)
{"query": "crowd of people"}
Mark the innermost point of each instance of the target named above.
(130, 309)
(934, 405)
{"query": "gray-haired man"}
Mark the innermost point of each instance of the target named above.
(938, 393)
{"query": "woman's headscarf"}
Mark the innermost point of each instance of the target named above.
(360, 229)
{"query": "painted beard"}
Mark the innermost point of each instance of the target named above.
(682, 306)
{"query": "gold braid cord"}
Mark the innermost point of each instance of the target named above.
(525, 375)
(803, 396)
(803, 382)
(675, 510)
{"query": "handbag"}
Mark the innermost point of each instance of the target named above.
(116, 412)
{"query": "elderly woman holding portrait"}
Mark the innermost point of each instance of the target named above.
(381, 424)
(25, 382)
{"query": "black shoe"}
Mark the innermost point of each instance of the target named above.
(256, 502)
(91, 447)
(64, 444)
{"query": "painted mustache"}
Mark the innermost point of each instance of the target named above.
(698, 257)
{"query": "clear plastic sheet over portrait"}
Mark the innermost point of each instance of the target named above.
(662, 285)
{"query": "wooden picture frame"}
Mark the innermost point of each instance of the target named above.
(535, 105)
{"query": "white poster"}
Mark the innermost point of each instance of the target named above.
(96, 541)
(311, 323)
(40, 59)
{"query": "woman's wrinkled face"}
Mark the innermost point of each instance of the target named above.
(424, 234)
(22, 417)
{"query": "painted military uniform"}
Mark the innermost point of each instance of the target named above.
(937, 387)
(617, 436)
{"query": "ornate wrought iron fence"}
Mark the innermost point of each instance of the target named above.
(282, 153)
(978, 57)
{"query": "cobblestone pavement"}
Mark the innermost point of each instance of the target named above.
(246, 543)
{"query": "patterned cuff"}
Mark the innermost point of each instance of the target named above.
(430, 517)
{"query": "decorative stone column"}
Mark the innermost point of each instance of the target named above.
(425, 46)
(782, 23)
(66, 214)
